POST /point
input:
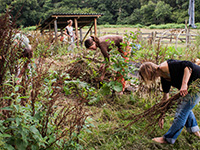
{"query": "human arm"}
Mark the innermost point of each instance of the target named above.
(105, 65)
(66, 32)
(103, 69)
(186, 77)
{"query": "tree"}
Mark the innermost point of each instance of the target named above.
(29, 11)
(147, 13)
(134, 18)
(4, 4)
(144, 12)
(162, 12)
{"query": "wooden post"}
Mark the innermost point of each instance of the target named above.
(50, 34)
(187, 32)
(55, 29)
(49, 30)
(95, 26)
(81, 37)
(49, 27)
(155, 34)
(61, 32)
(87, 32)
(76, 31)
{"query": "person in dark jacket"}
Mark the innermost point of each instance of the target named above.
(179, 74)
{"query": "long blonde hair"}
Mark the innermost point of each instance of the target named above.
(147, 72)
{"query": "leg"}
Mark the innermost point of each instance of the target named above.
(183, 115)
(197, 133)
(191, 123)
(159, 140)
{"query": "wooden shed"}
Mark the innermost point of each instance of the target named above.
(59, 21)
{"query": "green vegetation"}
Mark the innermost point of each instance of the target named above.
(60, 103)
(144, 12)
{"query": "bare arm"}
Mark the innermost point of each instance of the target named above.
(186, 77)
(66, 33)
(104, 51)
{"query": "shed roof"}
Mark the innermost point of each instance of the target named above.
(83, 19)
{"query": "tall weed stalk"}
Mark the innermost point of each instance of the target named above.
(32, 113)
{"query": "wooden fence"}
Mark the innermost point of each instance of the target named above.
(169, 36)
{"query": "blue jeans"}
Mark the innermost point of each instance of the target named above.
(183, 117)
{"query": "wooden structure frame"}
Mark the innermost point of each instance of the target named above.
(59, 21)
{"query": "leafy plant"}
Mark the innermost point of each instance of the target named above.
(32, 114)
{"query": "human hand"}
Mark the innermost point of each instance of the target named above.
(183, 90)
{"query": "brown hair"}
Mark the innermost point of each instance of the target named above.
(69, 21)
(147, 71)
(89, 41)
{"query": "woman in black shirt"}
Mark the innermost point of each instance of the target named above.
(180, 75)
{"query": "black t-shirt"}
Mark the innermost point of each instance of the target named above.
(176, 69)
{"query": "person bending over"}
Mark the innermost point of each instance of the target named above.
(104, 44)
(179, 74)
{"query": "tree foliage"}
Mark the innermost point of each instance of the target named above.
(143, 12)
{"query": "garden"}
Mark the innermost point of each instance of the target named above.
(60, 102)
